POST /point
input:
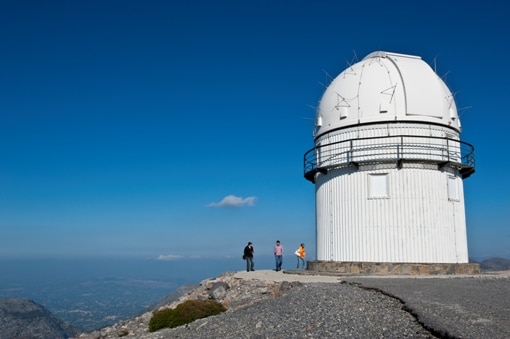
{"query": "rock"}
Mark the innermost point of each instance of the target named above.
(219, 290)
(24, 318)
(232, 292)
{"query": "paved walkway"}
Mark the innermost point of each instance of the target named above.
(302, 276)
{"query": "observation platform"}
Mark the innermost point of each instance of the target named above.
(397, 149)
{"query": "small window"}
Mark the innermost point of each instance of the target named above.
(453, 188)
(378, 186)
(318, 123)
(453, 114)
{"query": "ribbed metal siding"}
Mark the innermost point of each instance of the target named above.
(388, 129)
(416, 223)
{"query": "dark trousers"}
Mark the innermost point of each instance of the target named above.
(279, 260)
(249, 264)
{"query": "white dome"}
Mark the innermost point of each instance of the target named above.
(385, 87)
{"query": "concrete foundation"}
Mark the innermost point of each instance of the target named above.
(372, 268)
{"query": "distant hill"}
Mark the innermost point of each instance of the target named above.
(495, 264)
(24, 318)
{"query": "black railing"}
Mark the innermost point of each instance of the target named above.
(401, 148)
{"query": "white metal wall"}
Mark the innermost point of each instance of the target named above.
(416, 223)
(388, 129)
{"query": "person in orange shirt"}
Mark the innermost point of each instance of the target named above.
(301, 254)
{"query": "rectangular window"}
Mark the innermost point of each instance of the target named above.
(453, 188)
(378, 186)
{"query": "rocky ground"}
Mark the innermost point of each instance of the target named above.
(268, 304)
(235, 293)
(281, 306)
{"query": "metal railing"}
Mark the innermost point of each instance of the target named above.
(400, 148)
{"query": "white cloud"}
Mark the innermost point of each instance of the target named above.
(168, 257)
(233, 201)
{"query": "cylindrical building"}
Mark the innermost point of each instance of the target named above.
(388, 165)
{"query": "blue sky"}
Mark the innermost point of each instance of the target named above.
(177, 129)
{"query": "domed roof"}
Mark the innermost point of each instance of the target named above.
(386, 87)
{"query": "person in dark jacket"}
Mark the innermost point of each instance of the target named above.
(248, 256)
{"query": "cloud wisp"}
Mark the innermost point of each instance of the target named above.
(233, 201)
(168, 257)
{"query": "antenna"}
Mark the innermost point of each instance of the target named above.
(460, 111)
(445, 75)
(310, 119)
(329, 78)
(355, 58)
(325, 86)
(390, 91)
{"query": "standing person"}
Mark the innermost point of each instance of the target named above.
(301, 254)
(278, 254)
(248, 255)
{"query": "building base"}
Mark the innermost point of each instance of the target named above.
(373, 268)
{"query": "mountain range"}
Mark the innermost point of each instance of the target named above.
(24, 318)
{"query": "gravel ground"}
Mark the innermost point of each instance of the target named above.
(452, 307)
(319, 306)
(311, 310)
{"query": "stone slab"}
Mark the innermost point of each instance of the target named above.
(373, 268)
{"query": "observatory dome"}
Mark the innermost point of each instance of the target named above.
(385, 87)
